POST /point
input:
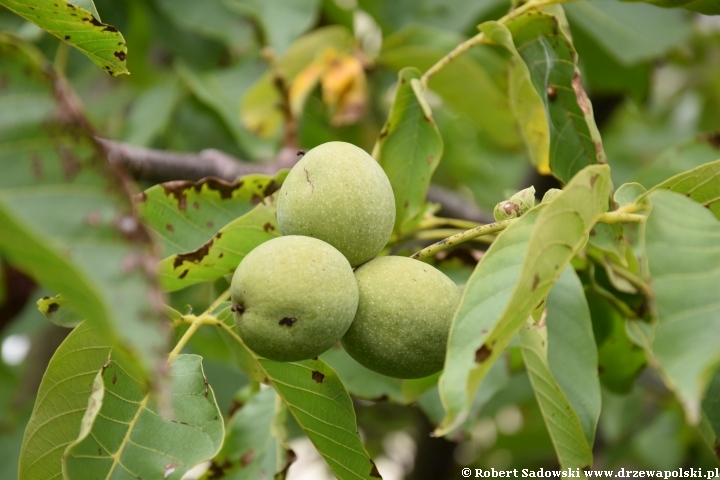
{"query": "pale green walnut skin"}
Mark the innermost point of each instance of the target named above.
(340, 194)
(294, 297)
(403, 319)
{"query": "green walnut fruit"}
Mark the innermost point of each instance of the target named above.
(339, 194)
(403, 319)
(293, 298)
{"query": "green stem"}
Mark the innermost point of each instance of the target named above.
(435, 222)
(185, 338)
(620, 217)
(222, 298)
(463, 237)
(480, 37)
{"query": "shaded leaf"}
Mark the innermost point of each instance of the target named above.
(707, 7)
(409, 148)
(221, 254)
(57, 311)
(62, 400)
(679, 158)
(628, 193)
(65, 212)
(486, 104)
(571, 353)
(702, 184)
(563, 424)
(316, 397)
(526, 103)
(361, 382)
(76, 26)
(123, 432)
(681, 244)
(185, 214)
(630, 33)
(151, 112)
(710, 422)
(551, 59)
(513, 277)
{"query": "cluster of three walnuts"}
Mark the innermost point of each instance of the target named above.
(296, 296)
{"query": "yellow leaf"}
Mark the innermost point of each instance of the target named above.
(344, 89)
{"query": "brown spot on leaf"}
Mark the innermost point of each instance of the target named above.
(53, 307)
(224, 188)
(170, 228)
(114, 380)
(582, 98)
(593, 179)
(593, 233)
(255, 199)
(221, 255)
(317, 376)
(141, 197)
(482, 354)
(196, 205)
(195, 256)
(209, 224)
(121, 55)
(717, 448)
(268, 227)
(106, 28)
(247, 458)
(67, 37)
(177, 190)
(287, 321)
(536, 281)
(510, 207)
(551, 93)
(271, 188)
(183, 274)
(430, 159)
(374, 471)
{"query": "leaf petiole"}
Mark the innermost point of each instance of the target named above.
(462, 237)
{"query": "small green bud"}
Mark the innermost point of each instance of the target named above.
(517, 205)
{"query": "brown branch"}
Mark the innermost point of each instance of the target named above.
(162, 166)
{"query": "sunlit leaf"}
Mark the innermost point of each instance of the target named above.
(184, 214)
(65, 213)
(57, 311)
(702, 184)
(409, 148)
(513, 277)
(551, 59)
(123, 432)
(686, 288)
(102, 43)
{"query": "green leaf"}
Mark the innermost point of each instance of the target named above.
(706, 7)
(628, 193)
(563, 424)
(486, 104)
(710, 423)
(76, 26)
(525, 101)
(185, 214)
(361, 382)
(282, 21)
(56, 310)
(631, 33)
(248, 451)
(571, 353)
(65, 213)
(551, 59)
(221, 254)
(678, 159)
(409, 148)
(702, 184)
(316, 397)
(124, 432)
(686, 287)
(62, 400)
(151, 113)
(513, 277)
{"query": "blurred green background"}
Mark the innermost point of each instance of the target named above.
(653, 76)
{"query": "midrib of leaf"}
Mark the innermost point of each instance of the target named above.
(116, 456)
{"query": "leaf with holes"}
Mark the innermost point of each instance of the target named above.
(65, 212)
(552, 61)
(681, 246)
(76, 26)
(702, 184)
(409, 148)
(62, 400)
(123, 432)
(221, 254)
(184, 215)
(511, 280)
(316, 397)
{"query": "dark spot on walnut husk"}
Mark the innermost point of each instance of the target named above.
(238, 309)
(195, 256)
(287, 321)
(374, 471)
(317, 376)
(53, 307)
(482, 354)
